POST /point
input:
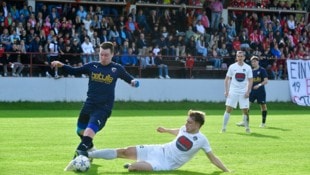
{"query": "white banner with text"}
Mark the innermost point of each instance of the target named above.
(299, 81)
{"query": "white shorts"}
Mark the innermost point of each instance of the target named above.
(233, 99)
(154, 155)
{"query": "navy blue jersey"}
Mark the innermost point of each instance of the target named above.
(258, 77)
(258, 94)
(102, 81)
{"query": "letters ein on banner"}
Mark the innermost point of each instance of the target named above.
(299, 81)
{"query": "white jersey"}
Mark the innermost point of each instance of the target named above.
(184, 147)
(239, 78)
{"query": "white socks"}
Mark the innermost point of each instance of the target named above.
(246, 121)
(225, 120)
(104, 154)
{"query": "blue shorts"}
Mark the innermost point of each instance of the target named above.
(260, 96)
(93, 116)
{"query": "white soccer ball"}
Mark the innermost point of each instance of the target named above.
(81, 163)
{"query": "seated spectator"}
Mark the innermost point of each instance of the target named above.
(191, 46)
(40, 59)
(129, 59)
(244, 39)
(180, 47)
(215, 58)
(148, 60)
(201, 46)
(15, 61)
(161, 66)
(132, 27)
(5, 39)
(114, 35)
(162, 45)
(231, 30)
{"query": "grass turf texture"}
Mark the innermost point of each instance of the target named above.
(40, 138)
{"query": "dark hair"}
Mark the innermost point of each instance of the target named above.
(197, 116)
(107, 45)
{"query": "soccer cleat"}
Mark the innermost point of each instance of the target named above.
(126, 166)
(247, 130)
(263, 125)
(223, 131)
(70, 166)
(240, 124)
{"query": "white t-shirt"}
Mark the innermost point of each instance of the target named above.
(239, 78)
(184, 147)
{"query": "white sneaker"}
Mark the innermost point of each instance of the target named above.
(263, 125)
(56, 76)
(161, 77)
(240, 124)
(70, 166)
(47, 75)
(247, 130)
(167, 76)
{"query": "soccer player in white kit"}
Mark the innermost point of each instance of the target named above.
(189, 140)
(238, 85)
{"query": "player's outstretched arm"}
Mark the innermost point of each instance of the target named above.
(57, 64)
(166, 130)
(217, 162)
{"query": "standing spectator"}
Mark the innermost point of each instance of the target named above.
(54, 53)
(4, 60)
(216, 8)
(76, 60)
(161, 66)
(100, 97)
(142, 21)
(14, 11)
(238, 85)
(88, 50)
(81, 12)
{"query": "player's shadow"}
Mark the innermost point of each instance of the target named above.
(279, 129)
(258, 135)
(176, 172)
(92, 171)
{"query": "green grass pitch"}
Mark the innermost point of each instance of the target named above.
(41, 140)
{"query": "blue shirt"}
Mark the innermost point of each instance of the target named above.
(258, 77)
(102, 81)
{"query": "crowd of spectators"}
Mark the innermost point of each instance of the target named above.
(73, 32)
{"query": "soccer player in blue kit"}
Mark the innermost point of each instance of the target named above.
(100, 96)
(260, 79)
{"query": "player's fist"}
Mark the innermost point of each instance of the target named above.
(135, 83)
